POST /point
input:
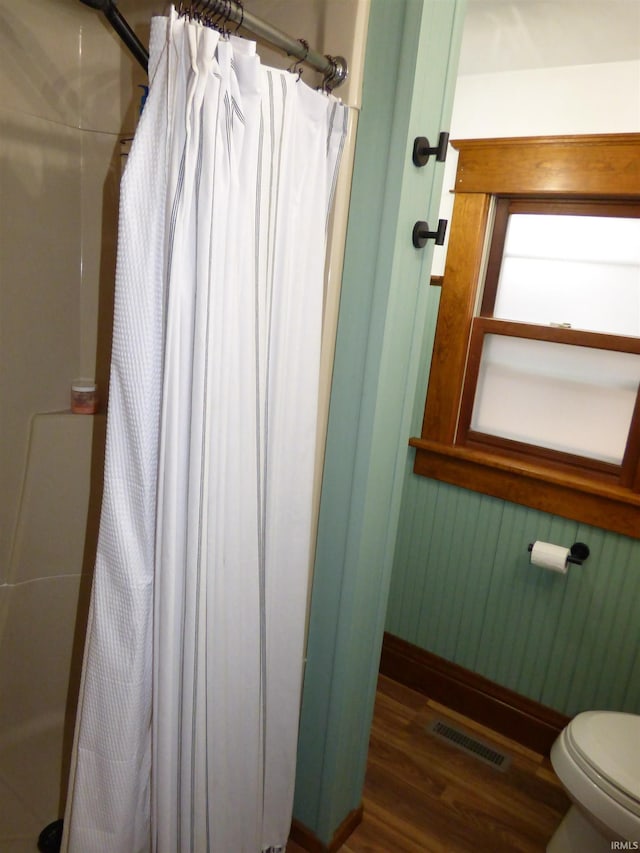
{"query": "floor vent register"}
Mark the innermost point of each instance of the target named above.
(471, 745)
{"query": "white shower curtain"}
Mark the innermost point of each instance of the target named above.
(187, 720)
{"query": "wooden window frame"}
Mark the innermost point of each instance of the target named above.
(557, 171)
(485, 323)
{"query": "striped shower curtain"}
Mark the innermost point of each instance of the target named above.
(187, 720)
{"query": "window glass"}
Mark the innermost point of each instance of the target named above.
(574, 399)
(581, 271)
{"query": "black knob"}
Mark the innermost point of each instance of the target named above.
(580, 551)
(422, 150)
(421, 233)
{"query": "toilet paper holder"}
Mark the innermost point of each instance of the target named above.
(579, 553)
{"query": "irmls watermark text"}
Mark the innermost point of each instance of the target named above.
(625, 845)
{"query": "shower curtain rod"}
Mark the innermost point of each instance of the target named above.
(333, 68)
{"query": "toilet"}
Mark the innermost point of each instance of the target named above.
(597, 759)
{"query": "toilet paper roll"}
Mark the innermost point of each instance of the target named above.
(551, 557)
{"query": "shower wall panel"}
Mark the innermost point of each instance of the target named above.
(67, 95)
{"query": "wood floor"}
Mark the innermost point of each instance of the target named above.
(424, 795)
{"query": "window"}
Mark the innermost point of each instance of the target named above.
(534, 388)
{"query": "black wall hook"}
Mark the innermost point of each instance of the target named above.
(422, 150)
(421, 233)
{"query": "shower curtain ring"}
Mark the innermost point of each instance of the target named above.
(227, 17)
(296, 67)
(218, 19)
(240, 4)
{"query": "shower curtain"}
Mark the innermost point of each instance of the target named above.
(188, 712)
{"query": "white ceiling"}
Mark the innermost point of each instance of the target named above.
(503, 35)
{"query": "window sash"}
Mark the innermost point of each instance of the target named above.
(465, 435)
(506, 207)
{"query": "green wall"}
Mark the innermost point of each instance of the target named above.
(462, 587)
(410, 73)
